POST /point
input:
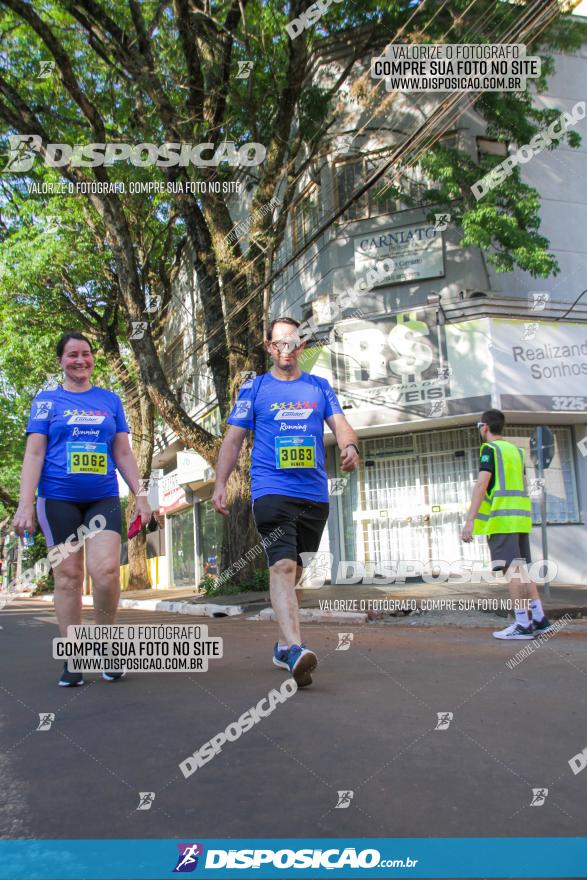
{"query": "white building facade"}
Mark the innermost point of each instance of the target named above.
(416, 359)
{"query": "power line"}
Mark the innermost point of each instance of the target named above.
(377, 175)
(444, 108)
(324, 227)
(193, 349)
(454, 99)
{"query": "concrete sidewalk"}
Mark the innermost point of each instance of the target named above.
(175, 601)
(356, 602)
(563, 599)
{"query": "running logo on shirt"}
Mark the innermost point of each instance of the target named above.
(241, 409)
(297, 405)
(42, 409)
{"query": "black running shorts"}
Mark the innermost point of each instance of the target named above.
(60, 520)
(504, 548)
(299, 524)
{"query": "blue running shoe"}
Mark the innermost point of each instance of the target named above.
(110, 675)
(542, 626)
(280, 657)
(70, 679)
(301, 663)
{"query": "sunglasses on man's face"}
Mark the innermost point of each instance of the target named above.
(286, 345)
(480, 425)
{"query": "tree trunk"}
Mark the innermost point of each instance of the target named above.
(9, 502)
(140, 413)
(240, 535)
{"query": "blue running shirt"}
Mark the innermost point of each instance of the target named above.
(288, 421)
(80, 428)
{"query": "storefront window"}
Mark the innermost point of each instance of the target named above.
(210, 538)
(413, 491)
(183, 558)
(562, 503)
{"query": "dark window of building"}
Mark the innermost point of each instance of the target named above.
(306, 215)
(350, 174)
(173, 359)
(491, 147)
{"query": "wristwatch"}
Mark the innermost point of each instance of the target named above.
(355, 447)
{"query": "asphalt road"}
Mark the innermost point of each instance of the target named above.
(367, 725)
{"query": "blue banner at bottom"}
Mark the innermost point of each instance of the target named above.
(276, 858)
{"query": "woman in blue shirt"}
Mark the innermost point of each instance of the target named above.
(77, 437)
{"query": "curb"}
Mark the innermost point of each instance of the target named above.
(213, 610)
(315, 614)
(201, 610)
(575, 611)
(6, 597)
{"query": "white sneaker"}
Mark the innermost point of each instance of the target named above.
(515, 631)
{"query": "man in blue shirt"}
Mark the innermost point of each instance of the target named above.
(286, 408)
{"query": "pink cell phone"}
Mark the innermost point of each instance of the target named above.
(134, 528)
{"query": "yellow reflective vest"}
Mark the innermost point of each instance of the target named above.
(507, 508)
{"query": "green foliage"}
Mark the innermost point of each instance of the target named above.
(44, 584)
(30, 324)
(31, 555)
(75, 260)
(12, 420)
(208, 584)
(50, 282)
(505, 224)
(257, 583)
(57, 262)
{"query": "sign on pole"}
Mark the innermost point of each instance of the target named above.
(542, 453)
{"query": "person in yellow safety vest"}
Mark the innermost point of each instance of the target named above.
(501, 509)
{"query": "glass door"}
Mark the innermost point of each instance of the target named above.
(183, 557)
(211, 526)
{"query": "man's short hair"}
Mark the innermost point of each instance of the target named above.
(494, 419)
(280, 321)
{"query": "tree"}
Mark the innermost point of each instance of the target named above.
(51, 287)
(10, 424)
(151, 72)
